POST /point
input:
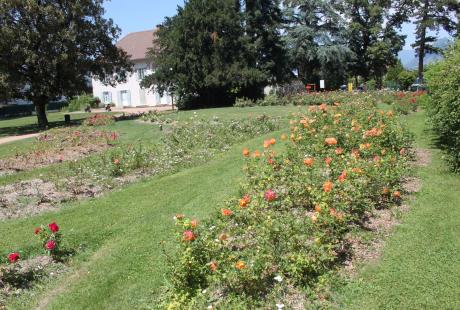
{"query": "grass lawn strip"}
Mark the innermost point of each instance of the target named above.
(420, 265)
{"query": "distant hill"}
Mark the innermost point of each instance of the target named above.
(410, 61)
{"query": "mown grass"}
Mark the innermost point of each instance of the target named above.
(28, 124)
(420, 265)
(119, 264)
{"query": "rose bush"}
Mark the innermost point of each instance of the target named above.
(294, 212)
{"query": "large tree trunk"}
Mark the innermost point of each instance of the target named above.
(421, 50)
(40, 108)
(421, 53)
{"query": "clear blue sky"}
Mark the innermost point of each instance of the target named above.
(138, 15)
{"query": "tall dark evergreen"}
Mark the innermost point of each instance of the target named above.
(262, 20)
(432, 15)
(373, 37)
(212, 51)
(49, 48)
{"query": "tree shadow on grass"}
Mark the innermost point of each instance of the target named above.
(33, 128)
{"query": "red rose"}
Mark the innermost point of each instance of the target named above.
(54, 227)
(270, 195)
(50, 245)
(13, 257)
(188, 235)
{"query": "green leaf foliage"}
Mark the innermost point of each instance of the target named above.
(444, 108)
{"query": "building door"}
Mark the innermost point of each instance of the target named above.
(125, 100)
(142, 97)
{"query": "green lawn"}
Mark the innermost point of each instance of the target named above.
(420, 266)
(25, 125)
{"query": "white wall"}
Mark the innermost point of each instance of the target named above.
(136, 95)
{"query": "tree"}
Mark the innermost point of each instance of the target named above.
(208, 53)
(432, 15)
(373, 35)
(48, 48)
(262, 20)
(315, 41)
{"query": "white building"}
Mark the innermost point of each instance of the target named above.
(130, 93)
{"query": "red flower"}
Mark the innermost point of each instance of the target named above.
(50, 245)
(53, 227)
(13, 257)
(37, 230)
(270, 195)
(328, 161)
(343, 176)
(226, 212)
(188, 235)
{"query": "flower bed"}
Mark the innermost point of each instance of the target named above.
(279, 242)
(59, 145)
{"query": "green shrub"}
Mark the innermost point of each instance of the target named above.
(80, 103)
(244, 102)
(444, 108)
(285, 233)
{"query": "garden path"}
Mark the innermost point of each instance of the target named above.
(17, 138)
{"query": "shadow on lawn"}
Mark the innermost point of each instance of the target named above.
(33, 128)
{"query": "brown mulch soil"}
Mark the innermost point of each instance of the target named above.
(423, 157)
(31, 197)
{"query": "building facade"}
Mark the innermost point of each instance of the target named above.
(130, 93)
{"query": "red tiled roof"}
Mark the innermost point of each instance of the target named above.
(136, 44)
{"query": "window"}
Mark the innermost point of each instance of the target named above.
(106, 97)
(141, 73)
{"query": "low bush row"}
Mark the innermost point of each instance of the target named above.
(444, 104)
(278, 243)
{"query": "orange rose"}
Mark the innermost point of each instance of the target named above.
(397, 194)
(267, 144)
(213, 266)
(246, 152)
(338, 151)
(330, 141)
(193, 223)
(327, 186)
(223, 237)
(318, 208)
(328, 161)
(272, 141)
(256, 154)
(308, 161)
(243, 202)
(240, 265)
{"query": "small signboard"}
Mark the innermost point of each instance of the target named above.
(322, 84)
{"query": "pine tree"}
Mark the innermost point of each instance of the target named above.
(432, 15)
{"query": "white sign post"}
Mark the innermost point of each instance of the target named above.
(322, 84)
